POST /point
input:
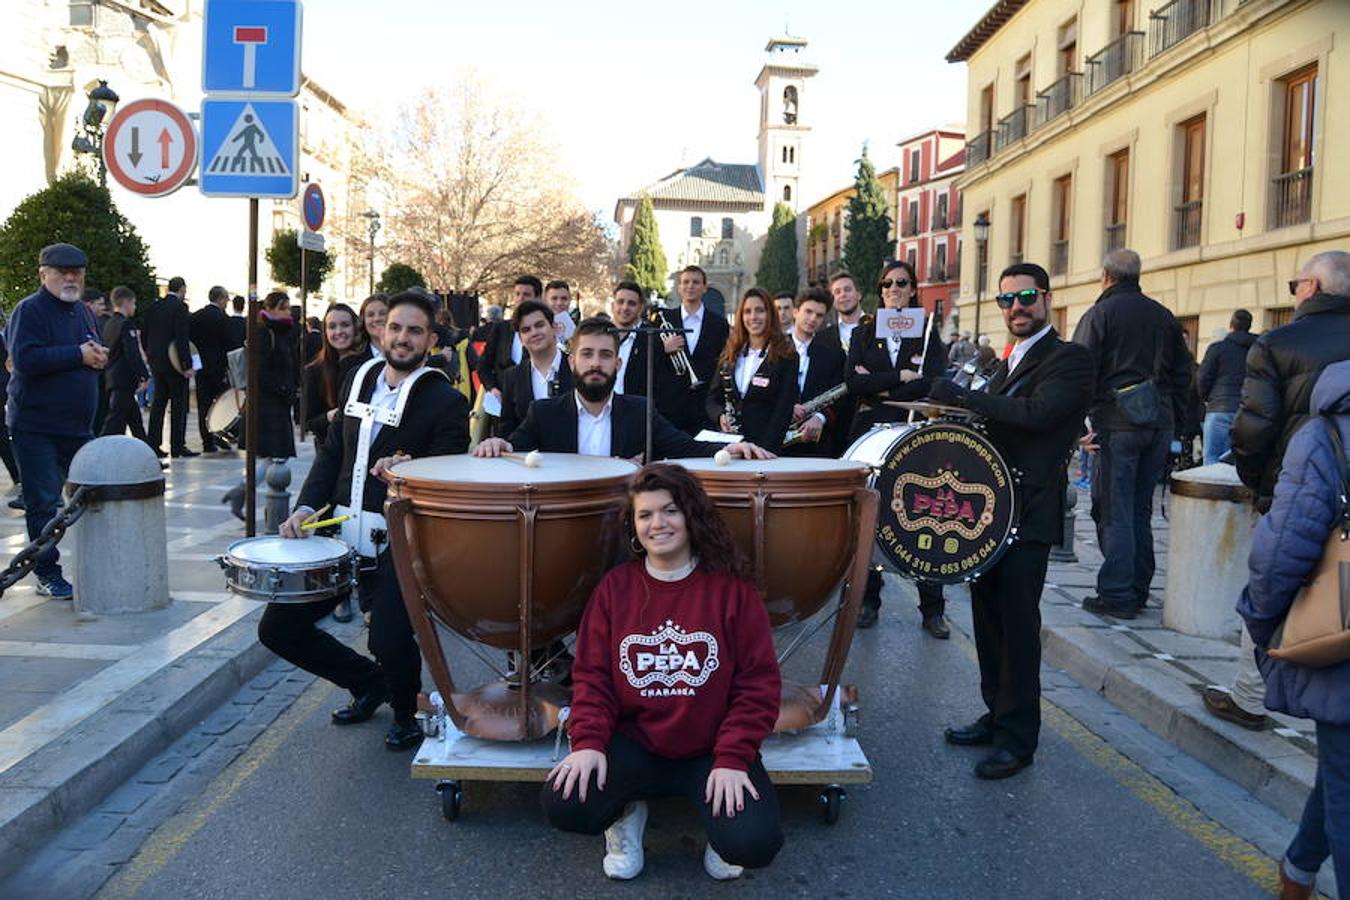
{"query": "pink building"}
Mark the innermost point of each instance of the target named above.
(928, 207)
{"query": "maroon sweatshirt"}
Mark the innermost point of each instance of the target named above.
(684, 668)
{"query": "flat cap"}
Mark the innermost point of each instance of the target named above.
(63, 256)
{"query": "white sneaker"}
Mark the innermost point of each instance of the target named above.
(623, 843)
(718, 867)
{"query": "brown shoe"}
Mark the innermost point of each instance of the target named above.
(1291, 889)
(1220, 703)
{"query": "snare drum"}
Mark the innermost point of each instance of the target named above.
(289, 570)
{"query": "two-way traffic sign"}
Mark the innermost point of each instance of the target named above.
(252, 47)
(150, 148)
(249, 148)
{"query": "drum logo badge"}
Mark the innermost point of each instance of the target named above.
(943, 504)
(668, 656)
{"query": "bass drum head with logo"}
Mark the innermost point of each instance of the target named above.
(947, 503)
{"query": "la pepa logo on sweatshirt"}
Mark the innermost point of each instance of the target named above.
(669, 656)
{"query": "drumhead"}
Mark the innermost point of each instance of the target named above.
(553, 468)
(279, 551)
(770, 466)
(872, 447)
(224, 410)
(947, 503)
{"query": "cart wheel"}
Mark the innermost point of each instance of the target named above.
(831, 802)
(452, 792)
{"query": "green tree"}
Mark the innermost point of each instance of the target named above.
(284, 259)
(73, 209)
(646, 259)
(778, 263)
(869, 231)
(399, 277)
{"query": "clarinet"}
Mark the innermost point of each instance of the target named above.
(731, 402)
(813, 406)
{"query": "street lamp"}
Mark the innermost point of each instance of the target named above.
(374, 219)
(981, 246)
(102, 102)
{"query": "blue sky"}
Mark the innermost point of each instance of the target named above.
(629, 91)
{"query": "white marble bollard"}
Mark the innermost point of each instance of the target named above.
(1210, 527)
(121, 544)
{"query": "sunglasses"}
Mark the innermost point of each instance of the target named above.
(1026, 298)
(1295, 282)
(895, 282)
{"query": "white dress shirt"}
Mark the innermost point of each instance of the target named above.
(804, 365)
(893, 348)
(595, 433)
(517, 349)
(383, 397)
(846, 333)
(1020, 348)
(693, 323)
(625, 354)
(539, 380)
(747, 364)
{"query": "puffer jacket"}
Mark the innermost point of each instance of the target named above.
(1282, 367)
(1221, 373)
(1287, 546)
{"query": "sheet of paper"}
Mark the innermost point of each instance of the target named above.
(717, 437)
(491, 405)
(905, 323)
(196, 362)
(565, 328)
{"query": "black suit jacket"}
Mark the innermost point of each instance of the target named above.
(238, 331)
(766, 408)
(518, 392)
(551, 427)
(496, 358)
(126, 367)
(635, 373)
(166, 322)
(826, 370)
(209, 328)
(686, 408)
(1034, 418)
(435, 422)
(883, 379)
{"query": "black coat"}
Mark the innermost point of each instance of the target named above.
(496, 358)
(277, 373)
(518, 392)
(435, 423)
(883, 382)
(685, 408)
(1134, 338)
(825, 371)
(166, 322)
(766, 409)
(238, 329)
(209, 328)
(635, 373)
(316, 397)
(551, 427)
(1282, 368)
(1034, 419)
(126, 367)
(1222, 371)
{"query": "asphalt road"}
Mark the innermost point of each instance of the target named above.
(310, 810)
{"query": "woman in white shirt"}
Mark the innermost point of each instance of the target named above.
(754, 388)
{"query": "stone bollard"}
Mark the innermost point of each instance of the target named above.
(277, 499)
(1063, 551)
(1210, 535)
(121, 545)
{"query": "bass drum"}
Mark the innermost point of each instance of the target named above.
(948, 499)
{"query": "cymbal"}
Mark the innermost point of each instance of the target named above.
(931, 410)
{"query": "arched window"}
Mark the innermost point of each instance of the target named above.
(792, 154)
(787, 193)
(723, 256)
(785, 154)
(790, 105)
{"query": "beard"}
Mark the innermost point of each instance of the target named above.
(70, 294)
(414, 361)
(1026, 327)
(593, 391)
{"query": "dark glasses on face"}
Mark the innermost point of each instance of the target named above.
(895, 282)
(1026, 298)
(1294, 283)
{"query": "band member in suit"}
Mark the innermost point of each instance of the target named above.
(881, 369)
(558, 297)
(1033, 407)
(430, 418)
(700, 335)
(166, 323)
(503, 349)
(625, 308)
(784, 304)
(820, 368)
(209, 328)
(756, 376)
(594, 420)
(544, 371)
(126, 371)
(848, 318)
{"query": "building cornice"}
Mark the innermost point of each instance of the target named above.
(989, 24)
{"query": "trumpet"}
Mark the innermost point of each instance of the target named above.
(730, 402)
(811, 407)
(684, 366)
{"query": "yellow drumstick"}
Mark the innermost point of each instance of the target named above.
(312, 517)
(325, 523)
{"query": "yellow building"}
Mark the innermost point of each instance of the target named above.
(1205, 134)
(827, 227)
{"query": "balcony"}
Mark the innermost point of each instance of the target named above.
(1060, 97)
(1114, 61)
(1115, 236)
(1291, 200)
(1171, 24)
(937, 274)
(1014, 126)
(1186, 224)
(978, 148)
(1059, 257)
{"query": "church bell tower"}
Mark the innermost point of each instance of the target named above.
(782, 119)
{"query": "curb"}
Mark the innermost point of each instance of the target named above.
(68, 777)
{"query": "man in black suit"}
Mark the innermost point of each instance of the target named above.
(434, 421)
(544, 371)
(625, 308)
(701, 334)
(126, 372)
(820, 367)
(166, 324)
(209, 328)
(594, 420)
(1034, 408)
(238, 322)
(849, 319)
(503, 349)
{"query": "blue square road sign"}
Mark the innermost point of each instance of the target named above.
(249, 148)
(251, 47)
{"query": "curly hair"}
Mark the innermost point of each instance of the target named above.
(709, 537)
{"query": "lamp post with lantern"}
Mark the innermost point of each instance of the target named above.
(981, 249)
(102, 102)
(373, 218)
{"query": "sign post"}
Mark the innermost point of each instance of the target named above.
(312, 210)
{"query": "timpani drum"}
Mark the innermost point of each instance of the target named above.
(289, 570)
(504, 555)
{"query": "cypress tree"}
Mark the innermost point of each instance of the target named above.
(869, 231)
(646, 259)
(778, 263)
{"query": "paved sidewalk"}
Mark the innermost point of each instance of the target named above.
(89, 699)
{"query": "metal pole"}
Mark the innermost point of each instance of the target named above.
(300, 334)
(251, 395)
(372, 260)
(651, 379)
(979, 289)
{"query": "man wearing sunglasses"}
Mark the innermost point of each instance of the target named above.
(1033, 408)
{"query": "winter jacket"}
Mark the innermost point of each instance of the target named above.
(1221, 373)
(1287, 546)
(51, 391)
(1282, 367)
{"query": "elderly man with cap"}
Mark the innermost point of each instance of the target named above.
(53, 394)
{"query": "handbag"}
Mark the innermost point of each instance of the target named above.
(1316, 630)
(1138, 403)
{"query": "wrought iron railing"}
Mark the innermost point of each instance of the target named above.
(1014, 126)
(937, 273)
(1171, 24)
(1186, 224)
(1291, 201)
(1059, 257)
(1115, 236)
(979, 148)
(1060, 97)
(1114, 61)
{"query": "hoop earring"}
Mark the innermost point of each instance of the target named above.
(635, 546)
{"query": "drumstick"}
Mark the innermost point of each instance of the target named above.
(313, 517)
(532, 460)
(325, 523)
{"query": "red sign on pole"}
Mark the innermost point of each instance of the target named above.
(150, 148)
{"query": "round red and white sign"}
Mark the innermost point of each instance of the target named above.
(150, 148)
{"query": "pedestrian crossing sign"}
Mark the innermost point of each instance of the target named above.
(249, 148)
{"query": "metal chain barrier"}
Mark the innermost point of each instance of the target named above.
(51, 535)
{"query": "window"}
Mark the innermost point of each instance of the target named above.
(1017, 222)
(792, 155)
(1022, 82)
(987, 108)
(914, 165)
(723, 256)
(1292, 201)
(939, 272)
(787, 193)
(696, 226)
(912, 257)
(1186, 228)
(1117, 198)
(1122, 20)
(728, 229)
(82, 13)
(1190, 330)
(1068, 47)
(1279, 316)
(940, 220)
(1061, 203)
(785, 154)
(913, 217)
(790, 105)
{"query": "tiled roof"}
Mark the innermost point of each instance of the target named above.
(709, 182)
(997, 16)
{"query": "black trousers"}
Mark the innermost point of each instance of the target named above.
(1005, 603)
(752, 838)
(931, 600)
(210, 385)
(289, 631)
(6, 448)
(171, 390)
(124, 413)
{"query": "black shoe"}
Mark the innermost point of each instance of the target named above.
(362, 707)
(17, 503)
(1002, 764)
(976, 734)
(868, 615)
(404, 734)
(937, 627)
(1102, 607)
(185, 453)
(160, 454)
